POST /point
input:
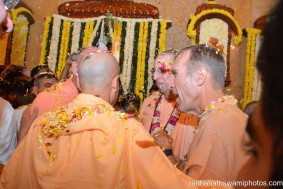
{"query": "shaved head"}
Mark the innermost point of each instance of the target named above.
(87, 50)
(98, 74)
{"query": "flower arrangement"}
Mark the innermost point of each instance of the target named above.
(19, 39)
(140, 42)
(213, 20)
(194, 18)
(252, 87)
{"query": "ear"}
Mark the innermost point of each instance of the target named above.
(115, 84)
(35, 90)
(75, 68)
(201, 76)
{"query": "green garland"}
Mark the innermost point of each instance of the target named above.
(58, 50)
(82, 34)
(48, 42)
(146, 73)
(70, 37)
(135, 59)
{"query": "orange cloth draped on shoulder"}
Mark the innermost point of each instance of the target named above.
(86, 144)
(182, 133)
(216, 152)
(60, 94)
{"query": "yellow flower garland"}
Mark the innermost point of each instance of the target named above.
(15, 12)
(194, 18)
(145, 36)
(19, 42)
(140, 53)
(44, 39)
(63, 47)
(3, 45)
(20, 35)
(162, 38)
(250, 64)
(88, 33)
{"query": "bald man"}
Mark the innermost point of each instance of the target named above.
(87, 144)
(60, 94)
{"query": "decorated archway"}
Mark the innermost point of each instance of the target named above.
(213, 24)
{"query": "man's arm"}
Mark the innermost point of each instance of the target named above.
(26, 122)
(208, 161)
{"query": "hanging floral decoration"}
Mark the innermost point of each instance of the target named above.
(213, 20)
(140, 41)
(192, 33)
(19, 37)
(3, 44)
(252, 87)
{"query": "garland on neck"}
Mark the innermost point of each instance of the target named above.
(171, 123)
(211, 106)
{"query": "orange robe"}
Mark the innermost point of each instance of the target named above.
(88, 145)
(182, 133)
(60, 94)
(216, 152)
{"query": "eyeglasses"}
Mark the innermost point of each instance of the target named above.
(10, 4)
(74, 56)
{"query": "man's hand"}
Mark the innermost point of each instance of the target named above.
(163, 140)
(26, 122)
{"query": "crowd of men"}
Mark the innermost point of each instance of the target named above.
(70, 136)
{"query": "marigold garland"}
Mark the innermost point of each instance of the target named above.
(20, 35)
(88, 33)
(162, 38)
(63, 47)
(250, 64)
(19, 41)
(3, 44)
(45, 36)
(140, 52)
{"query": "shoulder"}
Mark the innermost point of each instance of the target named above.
(5, 106)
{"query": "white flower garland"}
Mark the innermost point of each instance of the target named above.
(90, 34)
(94, 33)
(215, 28)
(126, 58)
(257, 84)
(52, 58)
(152, 46)
(128, 51)
(76, 37)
